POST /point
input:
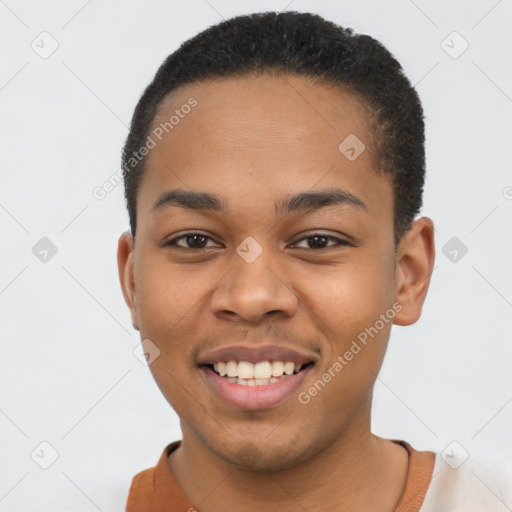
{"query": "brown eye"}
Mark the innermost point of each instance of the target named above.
(320, 241)
(190, 241)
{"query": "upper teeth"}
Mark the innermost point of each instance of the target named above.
(262, 370)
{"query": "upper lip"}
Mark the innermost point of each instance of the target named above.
(254, 354)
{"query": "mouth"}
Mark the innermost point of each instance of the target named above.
(262, 373)
(251, 386)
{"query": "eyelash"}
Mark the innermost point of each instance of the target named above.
(339, 242)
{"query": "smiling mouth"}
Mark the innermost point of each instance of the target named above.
(256, 374)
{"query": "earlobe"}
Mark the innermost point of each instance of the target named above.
(415, 262)
(125, 266)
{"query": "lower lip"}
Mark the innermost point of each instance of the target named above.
(254, 397)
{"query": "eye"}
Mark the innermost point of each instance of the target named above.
(320, 241)
(191, 241)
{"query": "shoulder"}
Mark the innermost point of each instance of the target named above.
(142, 490)
(152, 486)
(474, 486)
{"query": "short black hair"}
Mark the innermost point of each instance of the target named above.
(310, 46)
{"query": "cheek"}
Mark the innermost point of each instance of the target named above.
(169, 301)
(166, 294)
(348, 299)
(347, 307)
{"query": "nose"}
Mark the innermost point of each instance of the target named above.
(252, 291)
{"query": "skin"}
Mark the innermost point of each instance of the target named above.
(252, 141)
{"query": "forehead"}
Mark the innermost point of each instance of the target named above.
(252, 109)
(255, 138)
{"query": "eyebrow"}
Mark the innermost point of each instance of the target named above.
(307, 201)
(302, 202)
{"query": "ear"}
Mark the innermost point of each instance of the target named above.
(415, 262)
(125, 257)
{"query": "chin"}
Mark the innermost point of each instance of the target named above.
(264, 457)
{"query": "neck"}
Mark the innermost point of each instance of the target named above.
(358, 471)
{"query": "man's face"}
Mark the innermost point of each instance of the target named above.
(255, 277)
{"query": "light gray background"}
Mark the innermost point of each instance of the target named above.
(67, 369)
